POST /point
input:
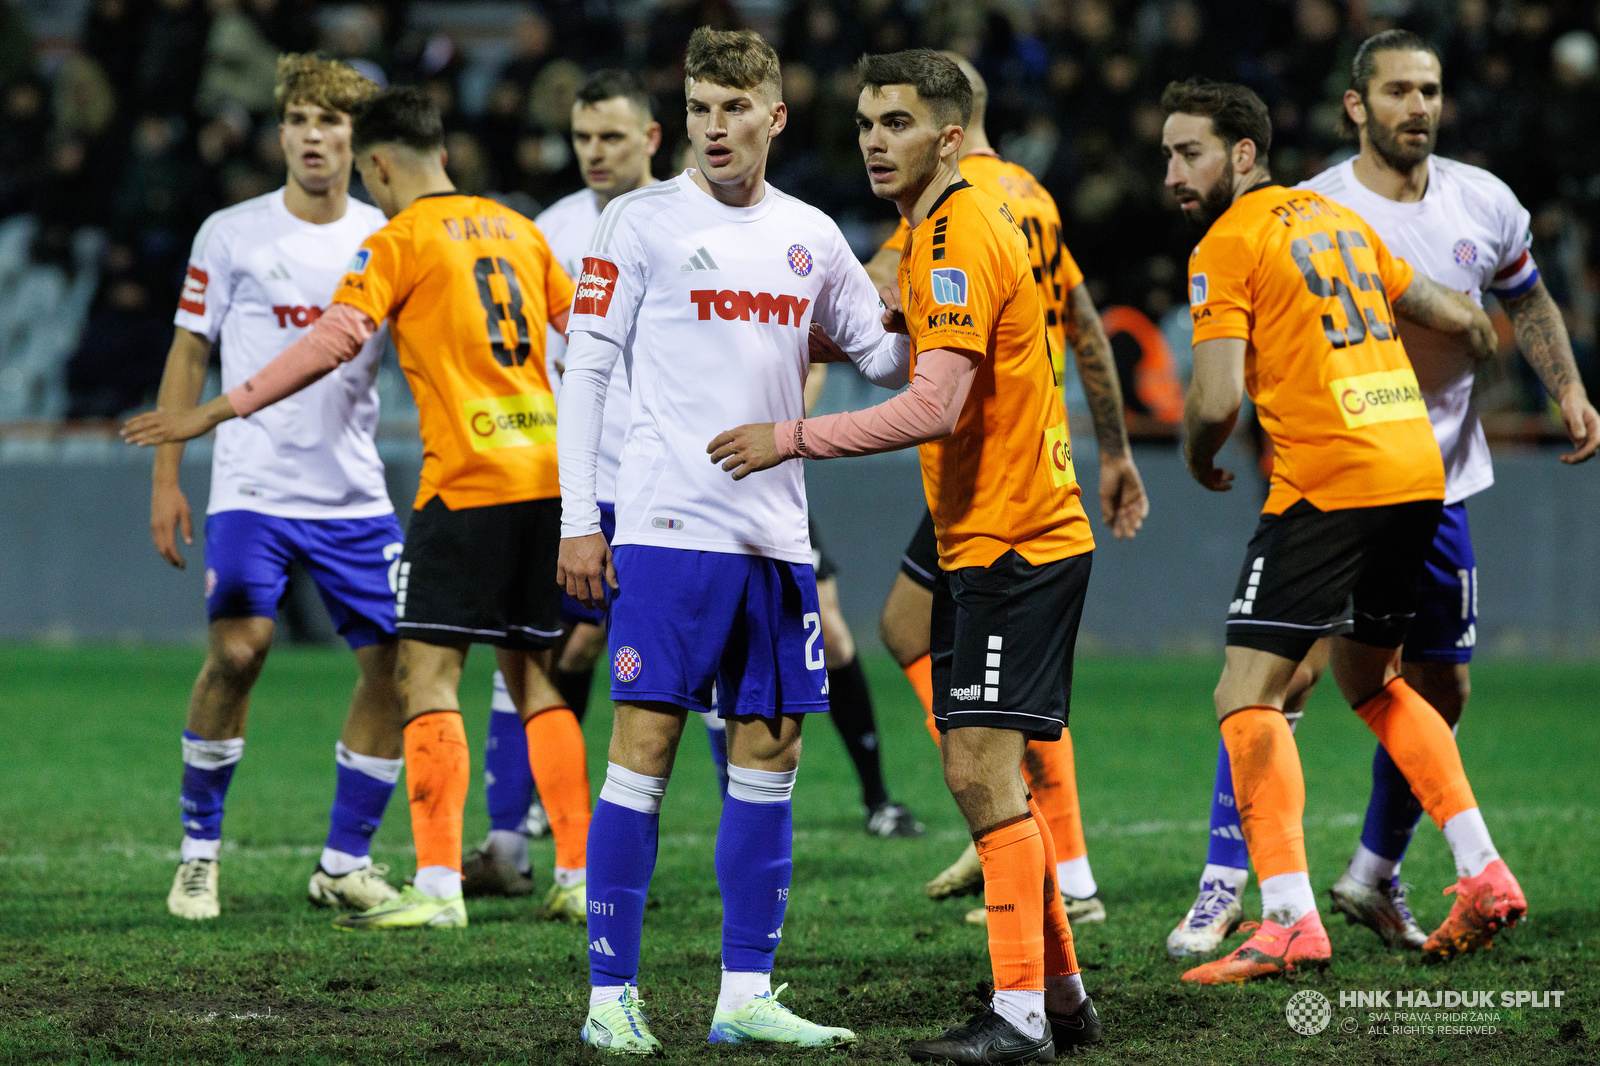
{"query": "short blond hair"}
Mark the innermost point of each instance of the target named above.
(736, 59)
(310, 79)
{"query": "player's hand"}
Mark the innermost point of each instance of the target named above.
(746, 449)
(584, 569)
(169, 508)
(823, 348)
(894, 317)
(1583, 425)
(1123, 503)
(168, 427)
(1210, 476)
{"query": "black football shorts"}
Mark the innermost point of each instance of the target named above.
(921, 560)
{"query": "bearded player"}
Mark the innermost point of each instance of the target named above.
(469, 288)
(302, 484)
(1294, 300)
(1463, 228)
(709, 283)
(1070, 318)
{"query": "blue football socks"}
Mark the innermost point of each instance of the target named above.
(362, 790)
(507, 775)
(1392, 810)
(207, 771)
(623, 834)
(755, 841)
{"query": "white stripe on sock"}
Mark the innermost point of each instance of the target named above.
(212, 754)
(633, 791)
(760, 786)
(385, 770)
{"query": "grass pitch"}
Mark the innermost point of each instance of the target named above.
(93, 969)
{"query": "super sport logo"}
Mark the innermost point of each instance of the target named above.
(596, 285)
(193, 297)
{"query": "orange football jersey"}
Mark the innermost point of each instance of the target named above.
(1004, 479)
(1308, 285)
(1054, 269)
(470, 286)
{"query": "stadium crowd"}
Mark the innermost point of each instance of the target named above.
(117, 142)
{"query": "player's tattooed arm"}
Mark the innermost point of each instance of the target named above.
(182, 382)
(1097, 369)
(1429, 304)
(1212, 407)
(1123, 503)
(1543, 340)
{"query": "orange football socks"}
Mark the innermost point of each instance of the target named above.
(920, 674)
(1268, 787)
(561, 771)
(438, 769)
(1059, 956)
(1420, 743)
(1053, 780)
(1013, 858)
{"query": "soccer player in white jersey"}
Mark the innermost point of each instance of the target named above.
(614, 136)
(301, 482)
(708, 283)
(1462, 227)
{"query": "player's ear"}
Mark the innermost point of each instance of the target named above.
(1355, 108)
(950, 141)
(1244, 156)
(652, 139)
(780, 119)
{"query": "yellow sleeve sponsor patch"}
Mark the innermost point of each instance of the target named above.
(1058, 454)
(1383, 396)
(510, 421)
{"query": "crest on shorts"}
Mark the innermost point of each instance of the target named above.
(626, 664)
(799, 259)
(1199, 289)
(211, 582)
(1466, 252)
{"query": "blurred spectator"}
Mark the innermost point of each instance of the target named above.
(167, 71)
(118, 365)
(241, 64)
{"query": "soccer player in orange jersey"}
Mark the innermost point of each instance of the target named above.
(468, 288)
(1070, 318)
(1014, 543)
(1293, 299)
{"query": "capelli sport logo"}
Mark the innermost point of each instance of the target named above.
(596, 285)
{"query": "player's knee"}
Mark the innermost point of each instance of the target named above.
(582, 649)
(900, 638)
(237, 660)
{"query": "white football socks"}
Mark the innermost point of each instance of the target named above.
(600, 995)
(740, 987)
(1076, 879)
(1371, 869)
(509, 846)
(1286, 898)
(193, 848)
(338, 863)
(1232, 876)
(440, 882)
(1023, 1008)
(1469, 842)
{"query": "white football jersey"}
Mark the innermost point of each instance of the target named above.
(258, 278)
(568, 225)
(712, 306)
(1468, 233)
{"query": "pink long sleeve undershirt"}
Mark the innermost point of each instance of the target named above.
(926, 411)
(336, 338)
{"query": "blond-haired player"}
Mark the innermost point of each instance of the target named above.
(303, 483)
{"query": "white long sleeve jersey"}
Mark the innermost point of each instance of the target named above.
(1468, 233)
(712, 307)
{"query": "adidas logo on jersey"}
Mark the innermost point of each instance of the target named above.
(279, 272)
(731, 305)
(701, 260)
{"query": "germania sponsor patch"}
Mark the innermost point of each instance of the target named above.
(510, 421)
(1383, 396)
(1058, 454)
